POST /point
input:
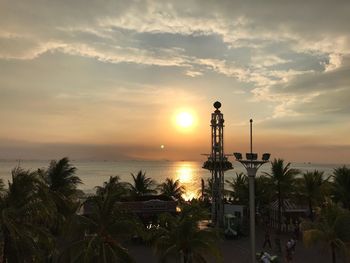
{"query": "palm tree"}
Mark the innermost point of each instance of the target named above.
(62, 183)
(282, 179)
(142, 185)
(332, 228)
(2, 186)
(180, 238)
(25, 209)
(61, 178)
(310, 186)
(172, 188)
(341, 190)
(239, 188)
(98, 234)
(263, 193)
(208, 189)
(113, 185)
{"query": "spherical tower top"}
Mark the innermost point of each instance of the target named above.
(217, 105)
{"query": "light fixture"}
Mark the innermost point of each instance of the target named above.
(238, 156)
(251, 156)
(266, 156)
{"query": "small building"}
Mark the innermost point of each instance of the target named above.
(291, 213)
(149, 205)
(239, 211)
(146, 207)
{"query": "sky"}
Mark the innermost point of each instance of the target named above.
(105, 80)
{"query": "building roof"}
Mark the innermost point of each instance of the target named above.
(288, 206)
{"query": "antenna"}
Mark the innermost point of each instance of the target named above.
(251, 135)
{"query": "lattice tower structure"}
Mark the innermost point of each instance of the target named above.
(217, 164)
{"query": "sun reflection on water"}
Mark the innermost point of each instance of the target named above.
(185, 173)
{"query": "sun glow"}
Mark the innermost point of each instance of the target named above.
(184, 120)
(186, 175)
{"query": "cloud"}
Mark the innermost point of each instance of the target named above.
(193, 74)
(335, 61)
(283, 60)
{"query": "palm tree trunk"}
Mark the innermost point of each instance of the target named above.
(311, 212)
(185, 257)
(5, 251)
(333, 253)
(279, 208)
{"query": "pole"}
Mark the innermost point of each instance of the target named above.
(251, 176)
(251, 135)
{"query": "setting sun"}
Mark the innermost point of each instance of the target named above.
(184, 119)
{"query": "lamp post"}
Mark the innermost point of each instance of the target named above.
(252, 164)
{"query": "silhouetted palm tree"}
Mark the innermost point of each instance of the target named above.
(113, 185)
(341, 182)
(61, 178)
(100, 232)
(181, 239)
(238, 188)
(62, 185)
(25, 209)
(2, 186)
(142, 185)
(332, 228)
(310, 187)
(282, 179)
(208, 189)
(263, 194)
(172, 188)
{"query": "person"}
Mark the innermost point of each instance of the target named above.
(265, 257)
(267, 240)
(293, 244)
(289, 256)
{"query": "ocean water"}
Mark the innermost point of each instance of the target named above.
(94, 173)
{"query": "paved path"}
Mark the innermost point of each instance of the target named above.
(237, 251)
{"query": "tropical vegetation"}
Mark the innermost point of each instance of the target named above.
(142, 185)
(172, 188)
(282, 179)
(331, 228)
(44, 217)
(180, 237)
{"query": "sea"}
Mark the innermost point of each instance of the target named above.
(190, 173)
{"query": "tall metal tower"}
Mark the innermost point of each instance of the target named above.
(217, 164)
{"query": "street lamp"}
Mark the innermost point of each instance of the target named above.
(252, 164)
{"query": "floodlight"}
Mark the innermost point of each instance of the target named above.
(266, 156)
(238, 156)
(251, 156)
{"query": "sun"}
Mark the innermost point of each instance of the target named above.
(184, 120)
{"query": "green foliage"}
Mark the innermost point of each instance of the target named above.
(180, 238)
(282, 179)
(142, 185)
(341, 186)
(263, 194)
(208, 189)
(238, 188)
(332, 228)
(61, 178)
(172, 188)
(311, 188)
(24, 213)
(98, 235)
(113, 185)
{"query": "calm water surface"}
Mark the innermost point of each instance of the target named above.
(94, 173)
